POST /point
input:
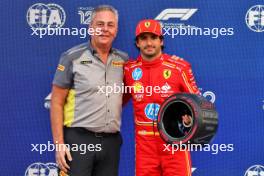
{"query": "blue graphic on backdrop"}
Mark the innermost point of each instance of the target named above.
(216, 37)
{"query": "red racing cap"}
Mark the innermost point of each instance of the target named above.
(149, 25)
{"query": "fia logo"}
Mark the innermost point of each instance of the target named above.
(182, 14)
(41, 169)
(255, 18)
(256, 170)
(41, 16)
(85, 15)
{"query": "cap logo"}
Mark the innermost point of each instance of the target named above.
(147, 24)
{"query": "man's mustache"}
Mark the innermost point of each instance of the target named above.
(146, 47)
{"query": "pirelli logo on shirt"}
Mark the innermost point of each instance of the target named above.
(61, 67)
(118, 63)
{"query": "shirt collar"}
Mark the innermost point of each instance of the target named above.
(93, 51)
(154, 62)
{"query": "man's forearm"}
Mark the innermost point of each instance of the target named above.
(56, 115)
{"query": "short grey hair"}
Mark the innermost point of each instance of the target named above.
(104, 8)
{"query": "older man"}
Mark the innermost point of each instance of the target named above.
(81, 115)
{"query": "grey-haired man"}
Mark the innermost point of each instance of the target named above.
(81, 116)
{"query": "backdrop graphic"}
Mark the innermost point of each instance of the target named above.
(222, 39)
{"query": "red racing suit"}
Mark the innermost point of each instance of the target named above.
(169, 76)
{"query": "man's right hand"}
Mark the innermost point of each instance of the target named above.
(58, 97)
(61, 153)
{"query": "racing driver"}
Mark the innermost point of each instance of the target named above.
(166, 76)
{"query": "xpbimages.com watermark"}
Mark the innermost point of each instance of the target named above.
(172, 148)
(82, 32)
(182, 30)
(50, 147)
(213, 148)
(137, 87)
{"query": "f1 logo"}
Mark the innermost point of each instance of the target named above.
(182, 14)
